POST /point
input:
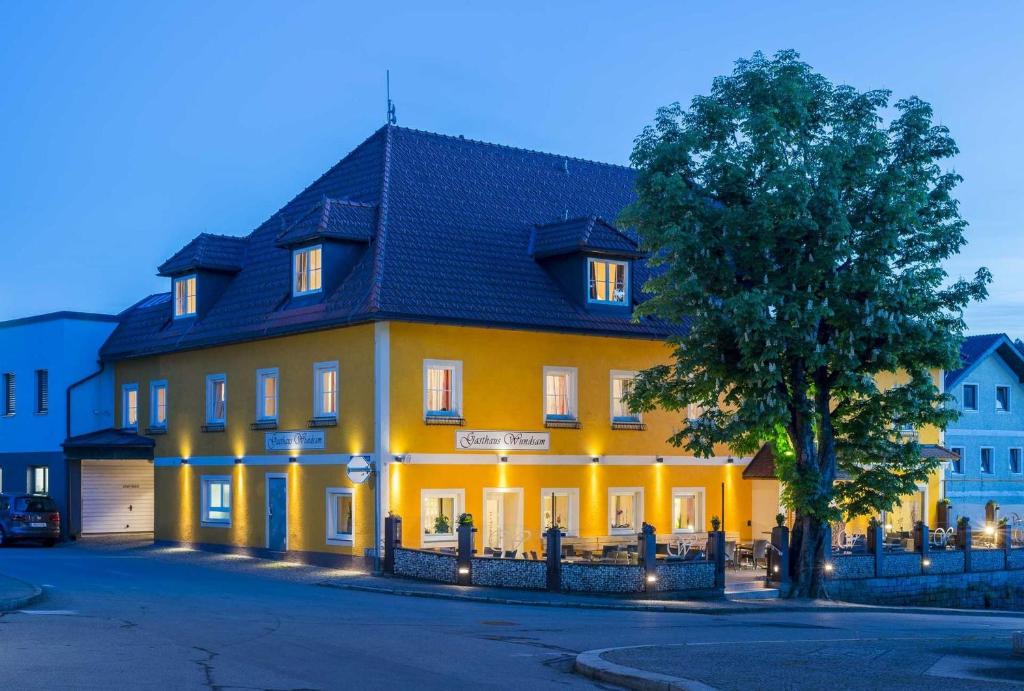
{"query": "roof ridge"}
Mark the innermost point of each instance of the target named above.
(461, 138)
(377, 277)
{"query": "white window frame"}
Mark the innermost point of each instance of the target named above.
(204, 507)
(1020, 460)
(295, 271)
(619, 375)
(700, 518)
(261, 376)
(625, 282)
(456, 396)
(638, 500)
(185, 314)
(981, 460)
(318, 369)
(127, 389)
(963, 459)
(1009, 399)
(333, 536)
(458, 509)
(977, 397)
(573, 396)
(211, 406)
(155, 386)
(573, 493)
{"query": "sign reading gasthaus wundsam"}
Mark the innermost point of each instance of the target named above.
(299, 440)
(498, 440)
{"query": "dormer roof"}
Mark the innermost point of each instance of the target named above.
(332, 219)
(223, 253)
(584, 234)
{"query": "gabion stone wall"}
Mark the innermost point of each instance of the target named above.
(510, 573)
(988, 560)
(602, 578)
(427, 566)
(853, 566)
(901, 564)
(1016, 559)
(975, 590)
(949, 561)
(683, 575)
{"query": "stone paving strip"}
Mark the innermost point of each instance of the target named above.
(15, 594)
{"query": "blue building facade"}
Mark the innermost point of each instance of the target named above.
(989, 436)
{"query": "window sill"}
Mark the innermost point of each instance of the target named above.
(634, 426)
(449, 420)
(323, 422)
(154, 431)
(214, 524)
(134, 430)
(262, 425)
(562, 424)
(439, 539)
(622, 531)
(340, 541)
(41, 412)
(213, 427)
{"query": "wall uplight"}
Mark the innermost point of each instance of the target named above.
(463, 570)
(503, 459)
(651, 578)
(828, 568)
(293, 459)
(401, 457)
(184, 461)
(730, 460)
(926, 563)
(239, 459)
(595, 459)
(775, 569)
(659, 459)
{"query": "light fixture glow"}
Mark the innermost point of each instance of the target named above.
(775, 569)
(463, 570)
(989, 530)
(828, 568)
(651, 578)
(926, 562)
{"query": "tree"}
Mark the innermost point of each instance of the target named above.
(800, 237)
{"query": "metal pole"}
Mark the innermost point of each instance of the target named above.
(723, 507)
(376, 517)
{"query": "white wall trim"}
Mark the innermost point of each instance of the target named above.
(971, 432)
(382, 419)
(566, 459)
(202, 461)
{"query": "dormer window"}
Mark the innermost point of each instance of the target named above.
(185, 296)
(307, 274)
(608, 281)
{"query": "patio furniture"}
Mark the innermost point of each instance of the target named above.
(730, 553)
(533, 555)
(510, 553)
(760, 552)
(693, 554)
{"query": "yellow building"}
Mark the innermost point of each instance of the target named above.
(453, 314)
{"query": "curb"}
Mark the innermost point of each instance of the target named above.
(14, 603)
(640, 606)
(591, 664)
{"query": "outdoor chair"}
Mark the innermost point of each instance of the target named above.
(533, 555)
(511, 553)
(730, 553)
(609, 551)
(693, 554)
(760, 552)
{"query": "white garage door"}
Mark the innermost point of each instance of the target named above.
(117, 496)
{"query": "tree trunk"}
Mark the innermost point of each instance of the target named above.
(807, 555)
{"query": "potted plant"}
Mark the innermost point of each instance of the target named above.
(780, 519)
(945, 513)
(442, 526)
(874, 533)
(716, 523)
(465, 519)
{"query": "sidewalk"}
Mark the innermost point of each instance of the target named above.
(15, 594)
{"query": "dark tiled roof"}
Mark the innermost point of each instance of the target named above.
(109, 443)
(582, 234)
(207, 251)
(937, 451)
(332, 219)
(762, 465)
(976, 348)
(450, 243)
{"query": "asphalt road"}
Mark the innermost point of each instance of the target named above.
(125, 615)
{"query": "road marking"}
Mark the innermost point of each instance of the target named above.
(49, 612)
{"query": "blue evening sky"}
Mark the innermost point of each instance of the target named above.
(125, 129)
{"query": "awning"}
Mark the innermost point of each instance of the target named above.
(109, 444)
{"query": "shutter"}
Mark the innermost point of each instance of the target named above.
(42, 391)
(9, 393)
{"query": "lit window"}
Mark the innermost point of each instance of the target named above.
(622, 384)
(970, 397)
(308, 277)
(1015, 463)
(340, 515)
(957, 464)
(625, 510)
(562, 505)
(216, 399)
(184, 296)
(266, 395)
(560, 393)
(42, 392)
(607, 281)
(9, 393)
(158, 404)
(325, 390)
(440, 509)
(1003, 399)
(130, 406)
(687, 510)
(442, 387)
(216, 500)
(38, 479)
(986, 459)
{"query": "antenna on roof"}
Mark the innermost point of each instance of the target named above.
(391, 106)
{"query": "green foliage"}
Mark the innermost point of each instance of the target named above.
(800, 237)
(716, 523)
(465, 519)
(442, 525)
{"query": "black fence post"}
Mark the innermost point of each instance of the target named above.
(876, 545)
(554, 558)
(647, 550)
(1005, 533)
(964, 539)
(464, 556)
(778, 557)
(716, 553)
(392, 540)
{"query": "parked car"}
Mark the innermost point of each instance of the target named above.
(29, 517)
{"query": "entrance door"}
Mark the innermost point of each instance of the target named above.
(503, 519)
(277, 513)
(117, 497)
